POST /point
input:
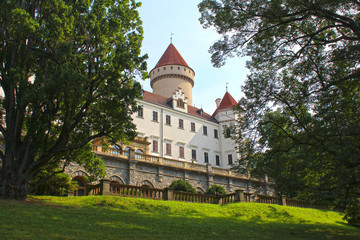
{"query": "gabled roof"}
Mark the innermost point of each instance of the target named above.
(165, 102)
(171, 56)
(227, 102)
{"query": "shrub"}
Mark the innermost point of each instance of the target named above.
(182, 186)
(216, 189)
(352, 213)
(57, 185)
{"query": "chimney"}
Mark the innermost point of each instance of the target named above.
(217, 101)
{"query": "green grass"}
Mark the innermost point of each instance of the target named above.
(107, 217)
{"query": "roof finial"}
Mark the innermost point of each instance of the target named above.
(171, 34)
(227, 87)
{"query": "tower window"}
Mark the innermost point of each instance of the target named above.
(181, 152)
(217, 160)
(216, 135)
(206, 157)
(164, 68)
(193, 127)
(230, 159)
(141, 112)
(155, 146)
(178, 68)
(171, 67)
(193, 154)
(181, 123)
(168, 120)
(180, 103)
(205, 130)
(155, 116)
(168, 149)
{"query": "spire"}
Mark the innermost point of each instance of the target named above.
(227, 102)
(171, 56)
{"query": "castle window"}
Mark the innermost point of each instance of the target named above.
(155, 116)
(205, 130)
(217, 160)
(171, 67)
(155, 146)
(193, 154)
(216, 135)
(168, 120)
(180, 103)
(206, 157)
(178, 68)
(168, 149)
(141, 112)
(181, 123)
(158, 70)
(164, 68)
(230, 159)
(181, 152)
(193, 127)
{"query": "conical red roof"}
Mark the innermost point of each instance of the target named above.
(171, 56)
(227, 102)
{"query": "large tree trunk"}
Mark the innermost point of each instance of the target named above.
(14, 184)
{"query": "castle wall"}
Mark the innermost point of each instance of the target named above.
(137, 173)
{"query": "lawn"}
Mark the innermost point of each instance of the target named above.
(107, 217)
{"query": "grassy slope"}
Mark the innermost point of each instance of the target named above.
(96, 217)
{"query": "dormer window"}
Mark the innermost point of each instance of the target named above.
(180, 103)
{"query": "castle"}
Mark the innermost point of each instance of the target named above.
(175, 139)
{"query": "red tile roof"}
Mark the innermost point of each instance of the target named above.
(165, 102)
(227, 102)
(171, 56)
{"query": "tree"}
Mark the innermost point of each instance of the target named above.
(67, 72)
(182, 186)
(301, 109)
(216, 189)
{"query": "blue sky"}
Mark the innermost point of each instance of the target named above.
(163, 17)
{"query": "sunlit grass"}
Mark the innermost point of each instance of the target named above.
(107, 217)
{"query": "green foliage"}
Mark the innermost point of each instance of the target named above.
(216, 189)
(63, 218)
(68, 72)
(301, 111)
(182, 186)
(352, 213)
(44, 183)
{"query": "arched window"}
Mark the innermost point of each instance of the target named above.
(139, 151)
(81, 188)
(117, 149)
(180, 103)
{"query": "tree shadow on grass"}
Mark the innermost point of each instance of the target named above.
(64, 222)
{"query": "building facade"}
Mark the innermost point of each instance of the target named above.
(175, 139)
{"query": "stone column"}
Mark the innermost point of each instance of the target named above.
(283, 200)
(210, 175)
(105, 187)
(239, 195)
(168, 194)
(132, 172)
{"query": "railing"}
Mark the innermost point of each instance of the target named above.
(105, 187)
(193, 197)
(135, 191)
(268, 199)
(303, 204)
(228, 198)
(93, 189)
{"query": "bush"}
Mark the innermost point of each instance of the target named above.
(352, 213)
(57, 185)
(216, 189)
(182, 186)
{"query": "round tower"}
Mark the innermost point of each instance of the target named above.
(171, 73)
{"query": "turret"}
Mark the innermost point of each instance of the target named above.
(171, 73)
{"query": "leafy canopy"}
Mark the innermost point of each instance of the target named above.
(301, 114)
(67, 72)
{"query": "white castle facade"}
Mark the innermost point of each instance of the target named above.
(175, 139)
